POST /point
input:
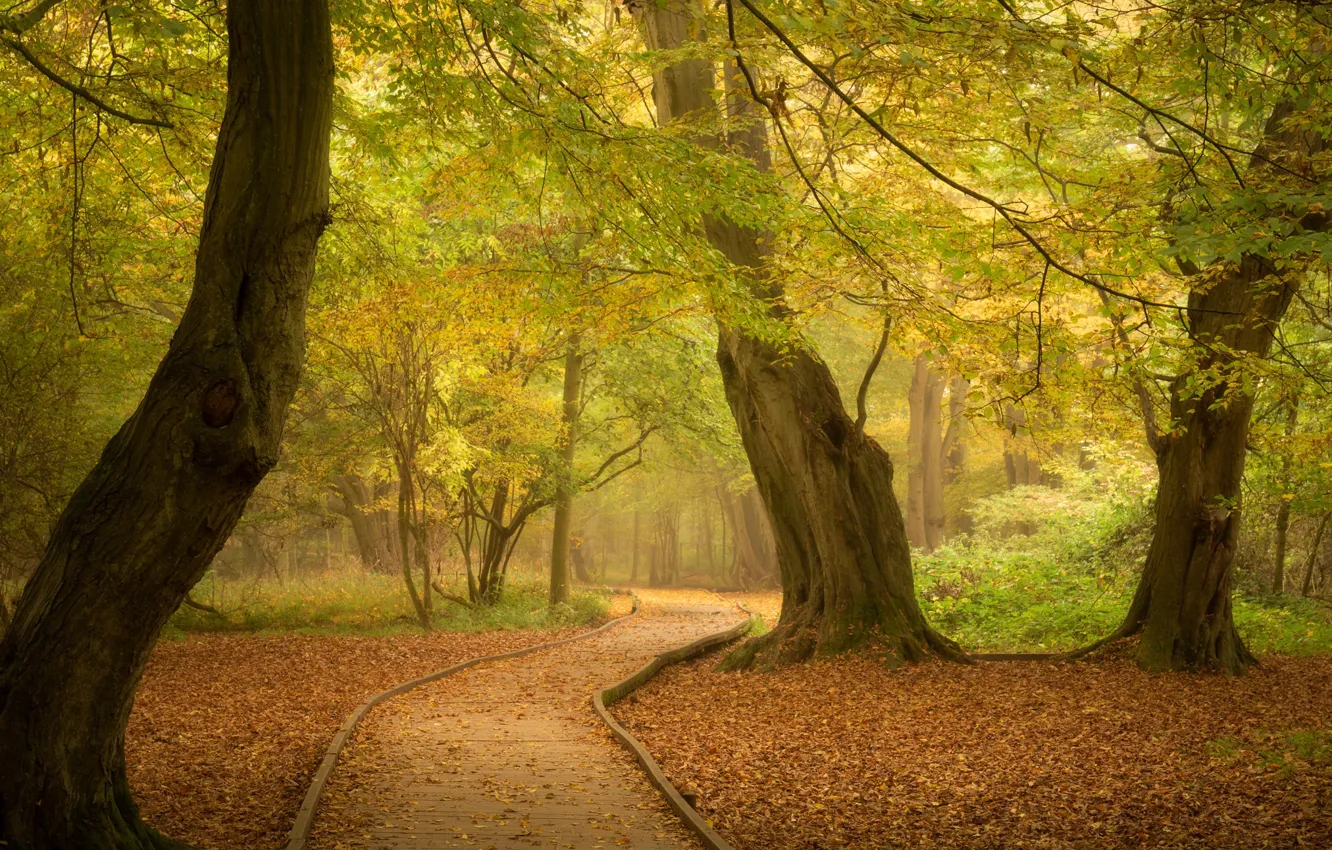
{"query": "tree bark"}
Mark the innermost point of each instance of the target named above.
(841, 541)
(140, 530)
(1182, 607)
(564, 497)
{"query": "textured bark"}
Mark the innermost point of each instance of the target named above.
(564, 497)
(169, 487)
(840, 539)
(1182, 607)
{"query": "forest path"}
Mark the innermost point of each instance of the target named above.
(511, 755)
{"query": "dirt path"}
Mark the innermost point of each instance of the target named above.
(511, 755)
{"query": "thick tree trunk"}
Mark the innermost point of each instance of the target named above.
(841, 541)
(371, 524)
(1182, 606)
(564, 498)
(169, 487)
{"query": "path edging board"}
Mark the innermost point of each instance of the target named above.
(300, 830)
(609, 696)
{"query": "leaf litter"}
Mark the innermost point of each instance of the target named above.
(845, 753)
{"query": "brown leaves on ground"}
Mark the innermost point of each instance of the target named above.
(227, 730)
(844, 753)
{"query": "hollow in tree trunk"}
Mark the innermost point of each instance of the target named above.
(169, 487)
(841, 542)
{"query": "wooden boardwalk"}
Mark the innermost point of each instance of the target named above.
(511, 755)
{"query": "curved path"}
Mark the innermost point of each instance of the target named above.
(511, 755)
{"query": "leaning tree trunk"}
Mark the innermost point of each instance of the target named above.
(840, 539)
(169, 487)
(1182, 605)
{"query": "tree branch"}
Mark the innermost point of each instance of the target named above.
(861, 411)
(18, 24)
(78, 90)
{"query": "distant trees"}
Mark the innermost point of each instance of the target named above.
(935, 452)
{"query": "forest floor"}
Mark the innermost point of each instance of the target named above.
(228, 729)
(845, 753)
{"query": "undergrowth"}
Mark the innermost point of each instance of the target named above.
(358, 602)
(1048, 570)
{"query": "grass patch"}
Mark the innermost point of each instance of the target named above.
(1283, 753)
(357, 602)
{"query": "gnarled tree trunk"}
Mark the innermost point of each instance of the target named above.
(1182, 607)
(841, 541)
(169, 487)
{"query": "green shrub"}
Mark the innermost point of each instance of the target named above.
(1069, 578)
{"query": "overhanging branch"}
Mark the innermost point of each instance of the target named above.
(81, 92)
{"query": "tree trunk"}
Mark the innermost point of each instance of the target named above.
(954, 447)
(1313, 555)
(934, 462)
(564, 498)
(578, 554)
(1182, 605)
(1279, 567)
(755, 560)
(1283, 509)
(371, 524)
(841, 541)
(638, 523)
(1020, 465)
(405, 511)
(140, 530)
(916, 395)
